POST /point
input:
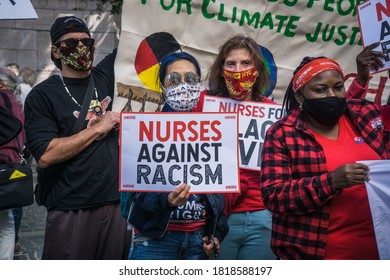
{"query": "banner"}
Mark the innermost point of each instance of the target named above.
(289, 29)
(254, 120)
(17, 9)
(160, 151)
(374, 22)
(378, 190)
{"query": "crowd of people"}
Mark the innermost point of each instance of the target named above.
(308, 201)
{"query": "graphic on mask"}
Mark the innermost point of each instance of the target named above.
(326, 111)
(93, 116)
(78, 58)
(239, 84)
(182, 97)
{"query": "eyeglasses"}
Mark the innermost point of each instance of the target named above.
(73, 42)
(174, 78)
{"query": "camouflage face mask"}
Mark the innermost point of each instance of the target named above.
(78, 58)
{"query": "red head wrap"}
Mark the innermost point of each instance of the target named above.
(313, 69)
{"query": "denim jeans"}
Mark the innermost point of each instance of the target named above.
(249, 237)
(18, 213)
(173, 245)
(7, 235)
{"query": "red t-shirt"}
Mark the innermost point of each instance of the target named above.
(351, 231)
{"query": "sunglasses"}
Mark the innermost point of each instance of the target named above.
(174, 78)
(73, 42)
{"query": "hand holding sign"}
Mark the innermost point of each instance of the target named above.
(375, 27)
(179, 196)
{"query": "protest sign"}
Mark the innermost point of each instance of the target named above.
(374, 21)
(379, 198)
(254, 120)
(17, 9)
(289, 29)
(160, 151)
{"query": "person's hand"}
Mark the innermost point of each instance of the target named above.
(366, 60)
(211, 247)
(349, 175)
(107, 121)
(179, 196)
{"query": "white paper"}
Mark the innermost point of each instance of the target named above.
(378, 190)
(159, 151)
(375, 26)
(17, 9)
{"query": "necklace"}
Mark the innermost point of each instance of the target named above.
(95, 105)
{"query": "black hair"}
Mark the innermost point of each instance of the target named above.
(289, 101)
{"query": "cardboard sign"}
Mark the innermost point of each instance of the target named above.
(254, 120)
(17, 9)
(374, 22)
(160, 151)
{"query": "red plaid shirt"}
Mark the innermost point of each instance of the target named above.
(296, 186)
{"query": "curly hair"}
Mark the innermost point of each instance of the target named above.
(216, 81)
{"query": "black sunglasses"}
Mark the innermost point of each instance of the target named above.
(73, 42)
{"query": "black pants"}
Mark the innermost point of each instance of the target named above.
(97, 233)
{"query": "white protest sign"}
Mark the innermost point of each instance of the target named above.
(375, 26)
(378, 190)
(17, 9)
(254, 120)
(160, 151)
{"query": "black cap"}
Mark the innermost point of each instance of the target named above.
(64, 25)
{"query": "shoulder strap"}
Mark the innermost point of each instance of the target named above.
(84, 108)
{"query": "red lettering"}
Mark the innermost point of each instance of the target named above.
(147, 131)
(240, 109)
(381, 9)
(179, 127)
(159, 130)
(214, 128)
(204, 130)
(191, 125)
(378, 92)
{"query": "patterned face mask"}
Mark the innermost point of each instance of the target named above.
(239, 84)
(78, 58)
(182, 97)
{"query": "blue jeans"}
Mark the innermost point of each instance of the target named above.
(249, 237)
(173, 245)
(7, 235)
(18, 213)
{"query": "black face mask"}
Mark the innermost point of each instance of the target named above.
(326, 111)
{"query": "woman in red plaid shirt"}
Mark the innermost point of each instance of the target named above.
(309, 176)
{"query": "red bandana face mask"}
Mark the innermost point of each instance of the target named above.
(239, 84)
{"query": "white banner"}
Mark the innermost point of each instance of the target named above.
(290, 30)
(254, 120)
(378, 190)
(17, 9)
(160, 151)
(374, 24)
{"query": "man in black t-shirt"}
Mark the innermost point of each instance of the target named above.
(80, 164)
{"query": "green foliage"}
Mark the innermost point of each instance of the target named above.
(116, 6)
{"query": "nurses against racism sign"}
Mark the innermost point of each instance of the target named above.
(160, 151)
(289, 29)
(374, 21)
(254, 120)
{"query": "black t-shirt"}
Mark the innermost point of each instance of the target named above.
(90, 178)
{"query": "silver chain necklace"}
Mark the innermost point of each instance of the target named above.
(95, 105)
